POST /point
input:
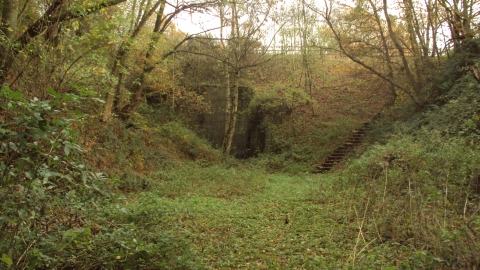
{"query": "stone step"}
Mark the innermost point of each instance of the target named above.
(332, 161)
(353, 142)
(335, 157)
(329, 163)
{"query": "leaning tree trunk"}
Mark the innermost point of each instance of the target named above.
(112, 97)
(136, 98)
(418, 97)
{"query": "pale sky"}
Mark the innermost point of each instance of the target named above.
(195, 23)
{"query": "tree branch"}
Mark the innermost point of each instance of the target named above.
(42, 24)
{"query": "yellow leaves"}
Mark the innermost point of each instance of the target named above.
(98, 70)
(75, 25)
(138, 160)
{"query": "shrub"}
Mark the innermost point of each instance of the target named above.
(54, 212)
(422, 192)
(43, 181)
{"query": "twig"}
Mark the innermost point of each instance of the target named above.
(25, 252)
(378, 232)
(385, 169)
(366, 246)
(360, 233)
(445, 204)
(465, 206)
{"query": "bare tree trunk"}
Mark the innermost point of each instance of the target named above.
(418, 46)
(147, 68)
(232, 98)
(305, 51)
(233, 116)
(475, 72)
(432, 13)
(466, 20)
(226, 74)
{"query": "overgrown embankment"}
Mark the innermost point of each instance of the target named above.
(168, 201)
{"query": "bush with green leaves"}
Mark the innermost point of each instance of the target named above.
(42, 179)
(54, 212)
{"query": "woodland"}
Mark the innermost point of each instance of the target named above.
(129, 142)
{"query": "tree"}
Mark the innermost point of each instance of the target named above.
(401, 43)
(236, 50)
(243, 38)
(300, 29)
(145, 11)
(14, 41)
(161, 25)
(461, 14)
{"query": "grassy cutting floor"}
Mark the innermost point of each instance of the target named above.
(285, 222)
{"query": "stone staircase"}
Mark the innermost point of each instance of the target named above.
(338, 154)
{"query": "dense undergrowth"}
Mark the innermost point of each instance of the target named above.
(66, 186)
(419, 188)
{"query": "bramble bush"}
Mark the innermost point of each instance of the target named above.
(42, 179)
(54, 211)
